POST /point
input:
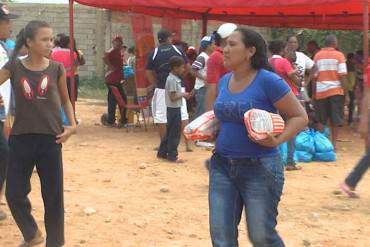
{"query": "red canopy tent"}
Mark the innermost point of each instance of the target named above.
(317, 14)
(314, 14)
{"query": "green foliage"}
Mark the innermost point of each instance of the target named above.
(349, 41)
(93, 87)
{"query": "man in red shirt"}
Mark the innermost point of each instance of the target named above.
(114, 77)
(350, 183)
(215, 63)
(285, 70)
(282, 66)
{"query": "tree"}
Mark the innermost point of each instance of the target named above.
(349, 41)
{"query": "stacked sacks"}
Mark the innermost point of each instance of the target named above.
(324, 148)
(304, 146)
(311, 145)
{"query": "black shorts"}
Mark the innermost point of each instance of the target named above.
(330, 108)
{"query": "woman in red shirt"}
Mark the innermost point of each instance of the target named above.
(62, 55)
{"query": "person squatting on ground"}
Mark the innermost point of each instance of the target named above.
(173, 97)
(114, 77)
(5, 32)
(246, 173)
(37, 134)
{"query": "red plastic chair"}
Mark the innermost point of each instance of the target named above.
(135, 107)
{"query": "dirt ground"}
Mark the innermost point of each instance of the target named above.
(116, 173)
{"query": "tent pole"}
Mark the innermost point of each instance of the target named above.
(366, 34)
(71, 47)
(204, 25)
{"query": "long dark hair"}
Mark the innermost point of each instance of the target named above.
(28, 32)
(57, 39)
(64, 43)
(252, 38)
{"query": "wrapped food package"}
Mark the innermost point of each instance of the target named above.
(202, 128)
(261, 123)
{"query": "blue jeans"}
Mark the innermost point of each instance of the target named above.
(291, 150)
(200, 98)
(4, 154)
(360, 169)
(256, 185)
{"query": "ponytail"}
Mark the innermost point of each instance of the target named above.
(28, 32)
(20, 42)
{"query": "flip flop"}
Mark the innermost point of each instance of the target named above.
(344, 188)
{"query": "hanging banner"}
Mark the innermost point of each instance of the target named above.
(174, 25)
(142, 29)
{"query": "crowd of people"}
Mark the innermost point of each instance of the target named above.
(231, 74)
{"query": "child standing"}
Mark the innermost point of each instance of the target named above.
(37, 135)
(173, 93)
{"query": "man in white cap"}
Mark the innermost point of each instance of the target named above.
(215, 66)
(215, 63)
(5, 92)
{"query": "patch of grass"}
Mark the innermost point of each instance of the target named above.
(93, 88)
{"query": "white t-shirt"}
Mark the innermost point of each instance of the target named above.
(5, 88)
(303, 63)
(200, 64)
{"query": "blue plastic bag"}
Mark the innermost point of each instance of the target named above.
(303, 156)
(325, 132)
(128, 72)
(322, 143)
(283, 148)
(64, 117)
(326, 157)
(305, 142)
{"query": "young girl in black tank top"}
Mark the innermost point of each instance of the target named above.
(37, 134)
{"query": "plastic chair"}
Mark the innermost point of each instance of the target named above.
(138, 108)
